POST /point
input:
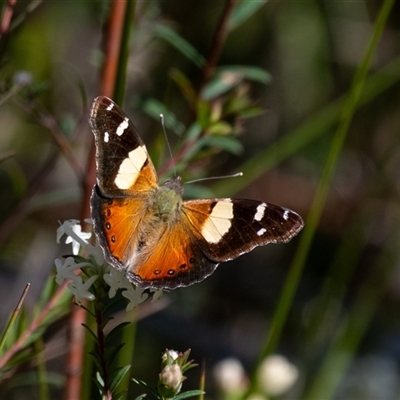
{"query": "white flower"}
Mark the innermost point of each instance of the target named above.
(173, 354)
(80, 289)
(135, 296)
(276, 375)
(171, 376)
(73, 230)
(116, 280)
(157, 293)
(65, 269)
(230, 376)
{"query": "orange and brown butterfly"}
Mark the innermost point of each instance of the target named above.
(148, 231)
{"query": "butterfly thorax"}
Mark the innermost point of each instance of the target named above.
(167, 200)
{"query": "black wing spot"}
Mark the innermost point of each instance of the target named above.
(157, 272)
(171, 272)
(108, 225)
(113, 239)
(182, 266)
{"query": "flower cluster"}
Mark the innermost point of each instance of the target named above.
(94, 267)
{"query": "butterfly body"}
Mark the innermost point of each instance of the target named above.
(147, 230)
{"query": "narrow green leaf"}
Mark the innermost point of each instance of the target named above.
(154, 108)
(120, 395)
(115, 332)
(115, 380)
(112, 352)
(243, 11)
(189, 393)
(228, 143)
(177, 41)
(147, 387)
(228, 77)
(185, 85)
(141, 397)
(249, 72)
(90, 332)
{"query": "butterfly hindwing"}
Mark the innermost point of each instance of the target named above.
(172, 261)
(228, 228)
(123, 164)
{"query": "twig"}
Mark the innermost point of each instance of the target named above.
(7, 15)
(76, 341)
(218, 42)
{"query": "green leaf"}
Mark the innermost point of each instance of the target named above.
(154, 108)
(228, 143)
(121, 372)
(111, 353)
(177, 41)
(220, 85)
(243, 11)
(203, 113)
(185, 85)
(115, 332)
(193, 131)
(141, 397)
(220, 128)
(116, 304)
(148, 387)
(189, 393)
(251, 73)
(91, 332)
(229, 76)
(122, 393)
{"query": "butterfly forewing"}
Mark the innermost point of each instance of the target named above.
(123, 165)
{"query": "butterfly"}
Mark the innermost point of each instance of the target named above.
(148, 231)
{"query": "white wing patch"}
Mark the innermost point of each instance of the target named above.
(130, 168)
(260, 212)
(106, 137)
(218, 222)
(122, 126)
(261, 231)
(286, 215)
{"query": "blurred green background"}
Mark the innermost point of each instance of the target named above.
(343, 328)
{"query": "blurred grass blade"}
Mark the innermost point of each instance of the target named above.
(352, 329)
(349, 108)
(177, 41)
(14, 316)
(243, 11)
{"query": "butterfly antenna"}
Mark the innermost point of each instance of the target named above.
(216, 177)
(168, 144)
